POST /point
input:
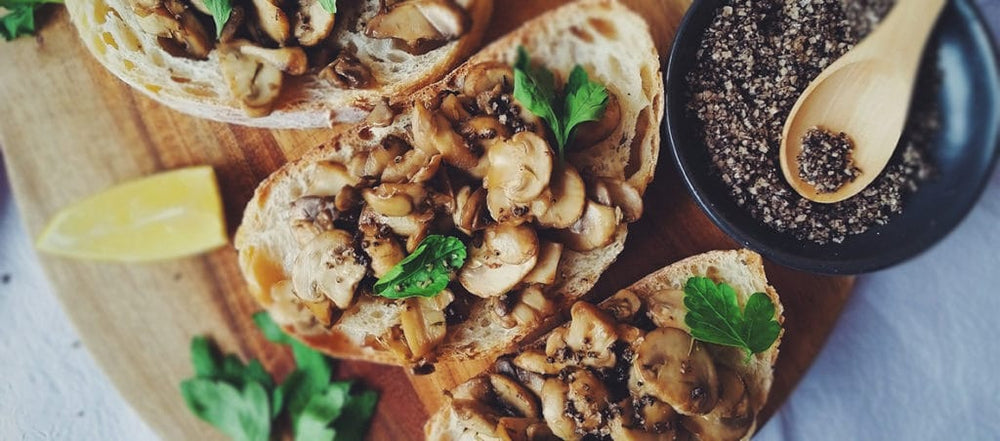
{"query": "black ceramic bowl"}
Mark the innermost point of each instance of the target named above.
(964, 153)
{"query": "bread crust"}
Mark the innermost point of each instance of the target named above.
(109, 29)
(741, 269)
(636, 76)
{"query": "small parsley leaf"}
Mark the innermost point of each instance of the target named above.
(354, 418)
(426, 272)
(221, 11)
(314, 423)
(243, 416)
(329, 5)
(20, 17)
(582, 101)
(714, 316)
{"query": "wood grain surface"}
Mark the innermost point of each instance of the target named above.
(70, 129)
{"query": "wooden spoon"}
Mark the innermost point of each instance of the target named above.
(865, 94)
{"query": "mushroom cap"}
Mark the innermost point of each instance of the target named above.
(520, 167)
(328, 267)
(677, 370)
(507, 253)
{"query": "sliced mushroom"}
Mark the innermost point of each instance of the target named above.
(506, 254)
(470, 210)
(329, 178)
(618, 193)
(273, 20)
(485, 77)
(255, 84)
(311, 215)
(731, 418)
(623, 305)
(590, 335)
(532, 307)
(453, 108)
(383, 249)
(312, 22)
(287, 59)
(322, 310)
(423, 322)
(328, 267)
(547, 268)
(484, 130)
(475, 416)
(433, 134)
(595, 229)
(404, 167)
(347, 72)
(538, 362)
(577, 407)
(524, 429)
(416, 22)
(172, 20)
(569, 197)
(406, 226)
(520, 167)
(514, 398)
(395, 199)
(667, 310)
(506, 211)
(677, 370)
(590, 133)
(284, 307)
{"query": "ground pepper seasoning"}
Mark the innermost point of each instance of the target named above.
(755, 59)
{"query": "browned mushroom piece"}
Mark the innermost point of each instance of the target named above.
(255, 84)
(514, 398)
(470, 210)
(483, 131)
(173, 21)
(433, 134)
(273, 20)
(532, 307)
(590, 335)
(404, 167)
(624, 305)
(505, 211)
(381, 247)
(423, 323)
(312, 22)
(500, 262)
(418, 23)
(567, 201)
(672, 367)
(618, 193)
(547, 268)
(520, 167)
(592, 132)
(537, 362)
(291, 60)
(329, 179)
(453, 108)
(486, 77)
(474, 415)
(576, 407)
(732, 417)
(667, 310)
(347, 72)
(328, 267)
(311, 215)
(395, 199)
(595, 228)
(524, 429)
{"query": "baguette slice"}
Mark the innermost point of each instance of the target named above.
(488, 408)
(112, 32)
(613, 45)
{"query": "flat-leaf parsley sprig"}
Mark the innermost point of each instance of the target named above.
(581, 100)
(714, 316)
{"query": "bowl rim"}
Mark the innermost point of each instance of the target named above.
(672, 127)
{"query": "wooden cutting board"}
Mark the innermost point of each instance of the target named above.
(70, 129)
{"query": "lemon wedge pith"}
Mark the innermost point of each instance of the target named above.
(162, 216)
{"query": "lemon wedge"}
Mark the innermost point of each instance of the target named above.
(163, 216)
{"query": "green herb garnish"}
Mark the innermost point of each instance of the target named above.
(243, 402)
(329, 5)
(221, 11)
(20, 17)
(426, 272)
(714, 316)
(582, 100)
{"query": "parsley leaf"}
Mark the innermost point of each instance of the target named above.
(20, 17)
(426, 272)
(582, 101)
(329, 5)
(313, 424)
(221, 11)
(714, 316)
(354, 418)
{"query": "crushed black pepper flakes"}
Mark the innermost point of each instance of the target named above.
(826, 160)
(755, 59)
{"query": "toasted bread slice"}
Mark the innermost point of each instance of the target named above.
(114, 35)
(614, 47)
(515, 394)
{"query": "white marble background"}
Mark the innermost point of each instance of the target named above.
(916, 355)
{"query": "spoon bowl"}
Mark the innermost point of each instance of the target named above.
(865, 94)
